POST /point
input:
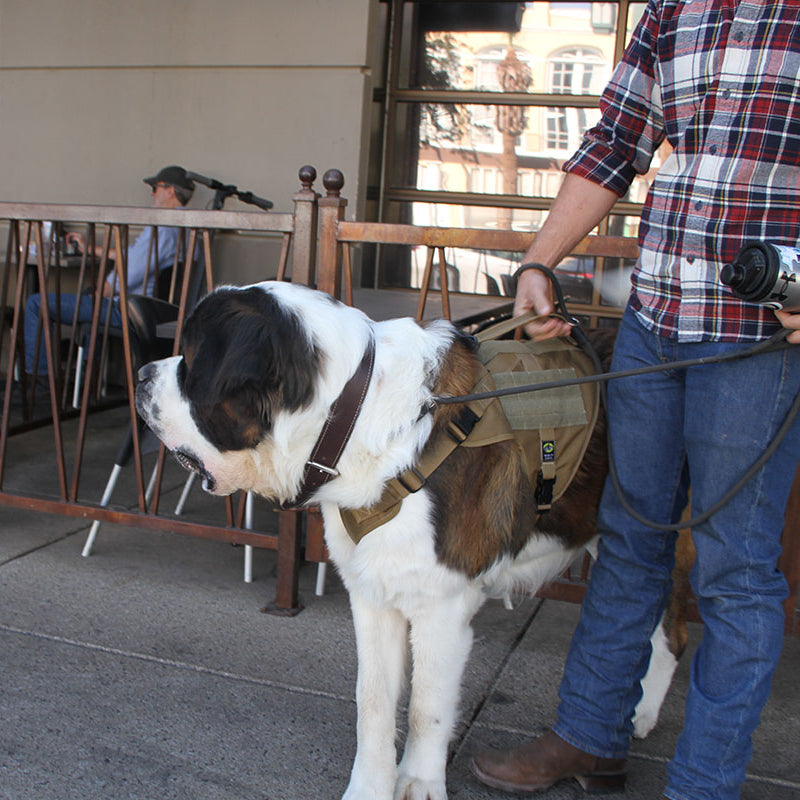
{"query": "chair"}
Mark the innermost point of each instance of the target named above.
(145, 315)
(164, 289)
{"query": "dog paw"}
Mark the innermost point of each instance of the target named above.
(367, 790)
(359, 794)
(409, 788)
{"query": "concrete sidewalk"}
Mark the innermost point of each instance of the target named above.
(147, 671)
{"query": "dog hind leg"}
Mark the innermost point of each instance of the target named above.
(381, 640)
(655, 683)
(668, 642)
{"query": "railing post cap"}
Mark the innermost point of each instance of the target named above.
(333, 181)
(307, 175)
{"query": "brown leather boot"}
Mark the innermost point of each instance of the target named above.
(541, 763)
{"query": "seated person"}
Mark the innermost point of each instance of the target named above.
(171, 189)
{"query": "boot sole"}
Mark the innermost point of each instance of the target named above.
(593, 783)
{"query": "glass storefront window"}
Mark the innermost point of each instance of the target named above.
(454, 148)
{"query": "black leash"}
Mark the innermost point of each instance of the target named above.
(774, 343)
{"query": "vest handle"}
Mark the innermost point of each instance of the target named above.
(507, 325)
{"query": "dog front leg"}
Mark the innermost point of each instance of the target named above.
(381, 640)
(441, 639)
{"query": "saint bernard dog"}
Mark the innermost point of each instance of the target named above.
(261, 369)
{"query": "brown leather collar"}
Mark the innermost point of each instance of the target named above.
(321, 466)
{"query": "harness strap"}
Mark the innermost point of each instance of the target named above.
(479, 423)
(456, 433)
(500, 329)
(361, 521)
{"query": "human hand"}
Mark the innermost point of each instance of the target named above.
(77, 239)
(535, 293)
(790, 321)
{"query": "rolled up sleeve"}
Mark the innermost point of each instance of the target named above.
(631, 125)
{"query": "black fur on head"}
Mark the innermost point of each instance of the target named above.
(245, 356)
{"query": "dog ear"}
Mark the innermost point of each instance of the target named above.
(267, 348)
(250, 357)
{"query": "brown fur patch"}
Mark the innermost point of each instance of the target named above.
(484, 506)
(239, 419)
(484, 503)
(456, 377)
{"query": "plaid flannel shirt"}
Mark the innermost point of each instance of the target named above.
(720, 80)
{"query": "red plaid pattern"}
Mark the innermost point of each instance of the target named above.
(720, 80)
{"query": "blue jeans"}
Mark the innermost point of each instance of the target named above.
(68, 303)
(710, 423)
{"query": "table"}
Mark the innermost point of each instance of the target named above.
(382, 304)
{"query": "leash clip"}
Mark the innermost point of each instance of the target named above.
(428, 407)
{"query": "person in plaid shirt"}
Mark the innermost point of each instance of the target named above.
(720, 81)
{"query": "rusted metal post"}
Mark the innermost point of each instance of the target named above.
(23, 231)
(304, 241)
(303, 271)
(329, 256)
(286, 603)
(315, 538)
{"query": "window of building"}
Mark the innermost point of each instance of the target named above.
(575, 71)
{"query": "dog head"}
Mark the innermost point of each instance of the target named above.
(247, 357)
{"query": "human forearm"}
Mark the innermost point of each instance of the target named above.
(80, 241)
(578, 208)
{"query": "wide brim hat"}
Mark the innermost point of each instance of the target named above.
(174, 176)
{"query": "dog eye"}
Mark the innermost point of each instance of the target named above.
(181, 373)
